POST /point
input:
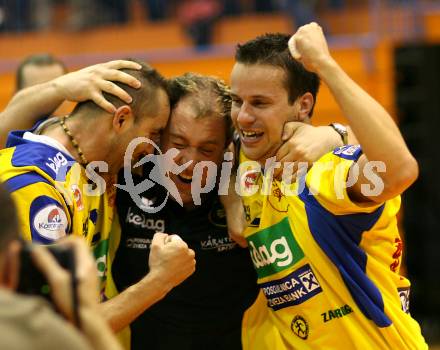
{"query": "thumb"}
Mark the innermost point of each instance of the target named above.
(292, 48)
(159, 239)
(290, 129)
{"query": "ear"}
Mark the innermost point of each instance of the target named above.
(9, 267)
(123, 119)
(306, 103)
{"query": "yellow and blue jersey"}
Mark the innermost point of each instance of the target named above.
(54, 198)
(327, 266)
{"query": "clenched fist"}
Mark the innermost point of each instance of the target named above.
(171, 259)
(308, 45)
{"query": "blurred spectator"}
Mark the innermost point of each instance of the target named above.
(231, 8)
(28, 322)
(41, 14)
(301, 11)
(264, 6)
(113, 11)
(198, 18)
(88, 14)
(156, 9)
(15, 15)
(336, 4)
(37, 69)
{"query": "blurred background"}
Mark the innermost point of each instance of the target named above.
(390, 47)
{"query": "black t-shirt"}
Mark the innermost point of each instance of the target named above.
(211, 302)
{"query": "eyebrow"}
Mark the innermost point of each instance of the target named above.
(253, 96)
(208, 142)
(177, 136)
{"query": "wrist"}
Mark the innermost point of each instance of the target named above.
(342, 133)
(162, 285)
(58, 90)
(326, 68)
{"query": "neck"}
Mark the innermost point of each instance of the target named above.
(90, 146)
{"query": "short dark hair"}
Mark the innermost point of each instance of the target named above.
(144, 99)
(212, 97)
(272, 49)
(8, 219)
(43, 59)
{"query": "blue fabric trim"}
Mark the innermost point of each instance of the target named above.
(45, 157)
(339, 237)
(23, 180)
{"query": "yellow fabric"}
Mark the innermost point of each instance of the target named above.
(124, 336)
(89, 216)
(306, 249)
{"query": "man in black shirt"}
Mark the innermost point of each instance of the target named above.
(206, 310)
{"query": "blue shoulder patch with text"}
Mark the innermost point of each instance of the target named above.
(350, 152)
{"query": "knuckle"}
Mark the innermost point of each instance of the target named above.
(109, 85)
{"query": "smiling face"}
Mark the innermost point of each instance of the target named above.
(260, 108)
(198, 138)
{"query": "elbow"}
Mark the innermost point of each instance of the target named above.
(402, 178)
(413, 171)
(407, 174)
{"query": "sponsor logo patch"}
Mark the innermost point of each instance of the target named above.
(404, 298)
(147, 203)
(77, 196)
(300, 327)
(274, 249)
(250, 178)
(56, 162)
(140, 220)
(50, 222)
(294, 289)
(138, 243)
(220, 244)
(336, 313)
(217, 215)
(348, 152)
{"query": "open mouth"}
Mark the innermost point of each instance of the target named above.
(187, 179)
(251, 135)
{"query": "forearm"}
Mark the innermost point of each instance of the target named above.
(97, 330)
(373, 126)
(123, 309)
(27, 106)
(352, 139)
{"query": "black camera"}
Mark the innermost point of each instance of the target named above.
(33, 282)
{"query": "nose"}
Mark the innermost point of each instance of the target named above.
(144, 149)
(244, 118)
(186, 155)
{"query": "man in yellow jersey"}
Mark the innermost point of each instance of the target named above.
(44, 170)
(326, 247)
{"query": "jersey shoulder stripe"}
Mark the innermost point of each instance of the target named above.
(17, 182)
(338, 234)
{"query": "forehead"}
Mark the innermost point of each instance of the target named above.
(36, 74)
(185, 123)
(249, 80)
(158, 116)
(160, 110)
